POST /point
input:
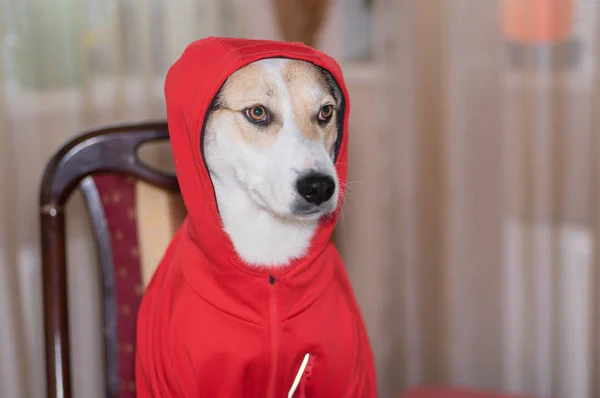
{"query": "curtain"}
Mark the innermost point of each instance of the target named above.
(472, 224)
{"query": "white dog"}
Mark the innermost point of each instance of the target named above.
(251, 298)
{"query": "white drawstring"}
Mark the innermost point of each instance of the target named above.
(299, 375)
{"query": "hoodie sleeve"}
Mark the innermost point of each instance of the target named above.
(163, 364)
(364, 383)
(143, 387)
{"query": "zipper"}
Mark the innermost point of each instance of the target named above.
(275, 337)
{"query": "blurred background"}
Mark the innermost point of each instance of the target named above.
(472, 230)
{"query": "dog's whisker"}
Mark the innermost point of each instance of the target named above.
(354, 182)
(348, 197)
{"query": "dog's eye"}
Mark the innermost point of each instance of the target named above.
(257, 114)
(325, 113)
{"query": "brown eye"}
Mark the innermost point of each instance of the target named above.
(256, 114)
(325, 113)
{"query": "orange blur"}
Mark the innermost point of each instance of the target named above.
(538, 21)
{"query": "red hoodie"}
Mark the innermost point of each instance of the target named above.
(209, 326)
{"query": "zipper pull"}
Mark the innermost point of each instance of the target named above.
(271, 279)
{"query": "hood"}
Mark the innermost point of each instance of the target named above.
(190, 87)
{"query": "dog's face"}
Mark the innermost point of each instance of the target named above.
(272, 130)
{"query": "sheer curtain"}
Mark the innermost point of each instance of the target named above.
(66, 66)
(489, 272)
(471, 229)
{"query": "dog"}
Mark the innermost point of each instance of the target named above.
(251, 298)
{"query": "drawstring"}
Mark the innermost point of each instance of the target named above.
(305, 369)
(307, 373)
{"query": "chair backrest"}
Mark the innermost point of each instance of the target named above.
(134, 209)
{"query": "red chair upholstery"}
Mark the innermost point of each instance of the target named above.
(126, 205)
(118, 202)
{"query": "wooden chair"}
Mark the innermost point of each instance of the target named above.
(133, 210)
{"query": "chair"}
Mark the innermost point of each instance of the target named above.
(117, 187)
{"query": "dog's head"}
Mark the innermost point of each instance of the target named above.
(273, 129)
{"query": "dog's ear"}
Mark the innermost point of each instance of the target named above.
(334, 88)
(336, 92)
(217, 102)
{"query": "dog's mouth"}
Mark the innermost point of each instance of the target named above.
(309, 213)
(304, 210)
(312, 214)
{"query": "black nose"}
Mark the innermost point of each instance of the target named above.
(316, 188)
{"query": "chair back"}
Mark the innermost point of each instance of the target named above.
(134, 209)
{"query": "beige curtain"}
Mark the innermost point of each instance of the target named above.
(67, 66)
(472, 225)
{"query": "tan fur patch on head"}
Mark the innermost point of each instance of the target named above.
(293, 93)
(309, 92)
(248, 87)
